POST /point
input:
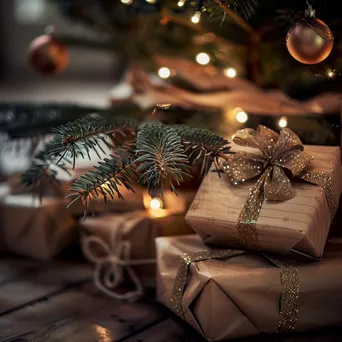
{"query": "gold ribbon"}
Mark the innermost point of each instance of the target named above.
(279, 153)
(289, 279)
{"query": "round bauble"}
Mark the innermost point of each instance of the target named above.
(48, 55)
(310, 41)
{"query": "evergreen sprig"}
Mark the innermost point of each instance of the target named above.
(83, 135)
(106, 179)
(161, 157)
(245, 7)
(202, 145)
(40, 167)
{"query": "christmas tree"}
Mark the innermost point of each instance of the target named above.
(223, 37)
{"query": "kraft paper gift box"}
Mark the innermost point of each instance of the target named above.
(35, 229)
(299, 225)
(227, 294)
(130, 237)
(122, 236)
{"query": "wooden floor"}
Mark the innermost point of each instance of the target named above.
(56, 301)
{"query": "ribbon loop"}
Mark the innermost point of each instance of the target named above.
(279, 152)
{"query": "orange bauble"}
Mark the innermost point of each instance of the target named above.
(310, 41)
(48, 55)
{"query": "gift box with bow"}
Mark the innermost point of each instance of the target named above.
(226, 293)
(275, 195)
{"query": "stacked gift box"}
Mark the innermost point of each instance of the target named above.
(260, 261)
(257, 263)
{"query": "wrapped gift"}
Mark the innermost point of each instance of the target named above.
(33, 228)
(258, 294)
(275, 198)
(122, 247)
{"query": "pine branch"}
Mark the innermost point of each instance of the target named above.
(202, 145)
(246, 7)
(86, 134)
(40, 168)
(161, 157)
(107, 178)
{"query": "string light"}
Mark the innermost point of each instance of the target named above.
(331, 73)
(127, 2)
(181, 3)
(241, 116)
(151, 1)
(230, 72)
(164, 72)
(196, 17)
(282, 122)
(156, 203)
(202, 58)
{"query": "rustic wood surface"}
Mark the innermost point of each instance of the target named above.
(56, 301)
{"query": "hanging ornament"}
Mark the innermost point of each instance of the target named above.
(47, 54)
(310, 40)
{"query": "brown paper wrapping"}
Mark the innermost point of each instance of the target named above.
(140, 229)
(240, 296)
(34, 229)
(136, 228)
(300, 225)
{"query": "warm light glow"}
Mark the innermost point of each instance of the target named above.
(331, 73)
(127, 2)
(241, 117)
(164, 72)
(230, 72)
(156, 203)
(282, 122)
(202, 58)
(181, 3)
(151, 1)
(196, 17)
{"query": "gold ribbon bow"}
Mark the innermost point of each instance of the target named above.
(280, 154)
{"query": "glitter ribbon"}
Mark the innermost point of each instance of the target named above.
(289, 279)
(279, 152)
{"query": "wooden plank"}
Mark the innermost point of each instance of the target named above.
(23, 281)
(166, 331)
(78, 315)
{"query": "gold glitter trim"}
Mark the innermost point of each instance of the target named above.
(280, 152)
(289, 279)
(182, 273)
(290, 290)
(325, 182)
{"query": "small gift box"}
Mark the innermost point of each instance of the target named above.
(259, 294)
(33, 228)
(274, 196)
(122, 248)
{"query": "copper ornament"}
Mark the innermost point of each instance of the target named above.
(48, 55)
(310, 41)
